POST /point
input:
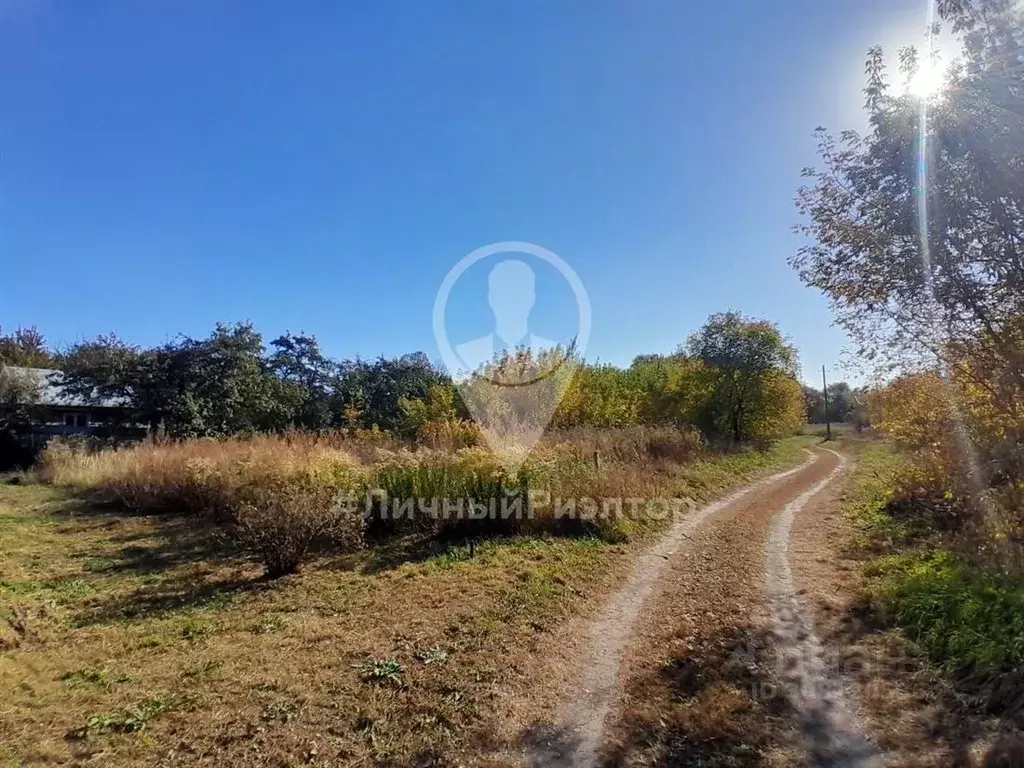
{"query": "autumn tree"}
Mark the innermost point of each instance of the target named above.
(916, 227)
(750, 371)
(25, 348)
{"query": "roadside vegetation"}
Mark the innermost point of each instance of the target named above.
(922, 577)
(914, 233)
(134, 638)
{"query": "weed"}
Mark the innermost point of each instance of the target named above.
(101, 564)
(435, 655)
(130, 721)
(281, 712)
(193, 629)
(267, 625)
(381, 671)
(99, 676)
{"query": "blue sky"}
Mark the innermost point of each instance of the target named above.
(321, 166)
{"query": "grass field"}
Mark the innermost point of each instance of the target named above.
(967, 618)
(134, 640)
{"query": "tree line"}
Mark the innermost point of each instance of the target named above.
(735, 380)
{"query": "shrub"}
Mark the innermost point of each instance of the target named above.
(279, 521)
(449, 434)
(632, 444)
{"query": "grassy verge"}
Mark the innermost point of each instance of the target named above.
(968, 619)
(136, 639)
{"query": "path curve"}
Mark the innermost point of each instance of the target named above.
(576, 739)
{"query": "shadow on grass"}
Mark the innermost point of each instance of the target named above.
(384, 555)
(165, 544)
(963, 705)
(718, 706)
(184, 591)
(167, 566)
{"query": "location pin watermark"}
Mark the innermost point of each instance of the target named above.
(511, 379)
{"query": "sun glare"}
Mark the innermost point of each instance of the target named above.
(927, 81)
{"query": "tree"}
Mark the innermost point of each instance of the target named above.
(192, 388)
(375, 391)
(916, 228)
(308, 380)
(18, 394)
(26, 348)
(814, 405)
(750, 371)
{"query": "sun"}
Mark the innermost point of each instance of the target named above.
(927, 81)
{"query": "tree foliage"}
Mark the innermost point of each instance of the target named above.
(735, 380)
(25, 348)
(750, 373)
(916, 228)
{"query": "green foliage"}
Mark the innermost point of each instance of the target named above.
(732, 380)
(971, 623)
(129, 721)
(18, 396)
(381, 671)
(97, 676)
(749, 374)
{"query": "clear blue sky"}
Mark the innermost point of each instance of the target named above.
(320, 166)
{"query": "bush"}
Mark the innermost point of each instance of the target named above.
(278, 522)
(679, 445)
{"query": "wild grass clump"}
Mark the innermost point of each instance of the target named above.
(468, 492)
(197, 476)
(970, 622)
(633, 444)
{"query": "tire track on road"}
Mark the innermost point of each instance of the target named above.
(833, 737)
(576, 739)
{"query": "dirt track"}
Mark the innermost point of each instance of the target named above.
(720, 570)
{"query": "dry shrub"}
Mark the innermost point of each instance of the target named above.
(634, 444)
(449, 434)
(279, 520)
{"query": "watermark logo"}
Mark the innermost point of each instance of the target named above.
(510, 378)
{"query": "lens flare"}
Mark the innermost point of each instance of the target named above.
(927, 81)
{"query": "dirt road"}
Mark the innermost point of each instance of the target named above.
(721, 572)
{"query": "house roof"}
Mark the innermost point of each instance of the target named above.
(52, 395)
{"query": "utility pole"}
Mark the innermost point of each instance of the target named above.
(824, 394)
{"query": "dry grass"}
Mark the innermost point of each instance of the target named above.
(220, 478)
(389, 656)
(197, 475)
(153, 639)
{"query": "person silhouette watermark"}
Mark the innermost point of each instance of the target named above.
(511, 294)
(510, 379)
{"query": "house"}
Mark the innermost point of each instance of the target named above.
(51, 411)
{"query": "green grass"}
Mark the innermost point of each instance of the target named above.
(870, 497)
(969, 621)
